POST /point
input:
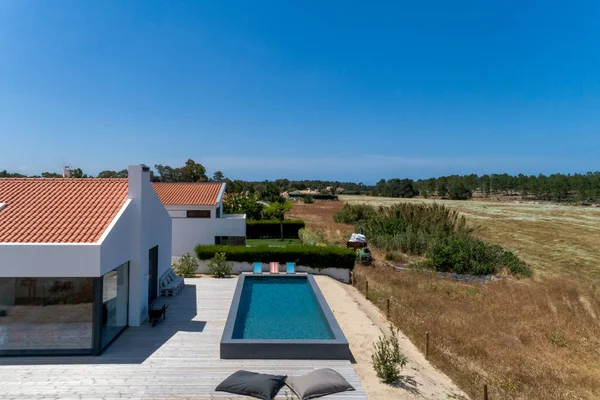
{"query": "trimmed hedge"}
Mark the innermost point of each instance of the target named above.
(270, 229)
(317, 257)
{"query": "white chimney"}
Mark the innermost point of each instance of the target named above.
(66, 171)
(137, 177)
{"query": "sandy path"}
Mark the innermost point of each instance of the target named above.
(362, 324)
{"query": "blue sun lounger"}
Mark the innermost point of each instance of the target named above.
(290, 268)
(257, 267)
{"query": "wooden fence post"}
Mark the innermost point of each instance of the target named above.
(367, 289)
(427, 345)
(485, 392)
(388, 308)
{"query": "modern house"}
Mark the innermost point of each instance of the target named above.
(80, 260)
(196, 210)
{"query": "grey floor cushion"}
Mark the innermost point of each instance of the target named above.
(318, 383)
(261, 386)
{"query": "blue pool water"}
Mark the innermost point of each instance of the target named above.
(279, 308)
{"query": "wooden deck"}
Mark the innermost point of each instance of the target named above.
(179, 358)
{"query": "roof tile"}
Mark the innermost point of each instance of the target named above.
(57, 210)
(187, 194)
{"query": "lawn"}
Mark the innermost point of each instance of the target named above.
(272, 242)
(526, 339)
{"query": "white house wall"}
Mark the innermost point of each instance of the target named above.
(142, 224)
(116, 245)
(151, 227)
(48, 260)
(190, 232)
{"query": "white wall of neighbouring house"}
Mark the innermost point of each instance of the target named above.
(190, 232)
(49, 260)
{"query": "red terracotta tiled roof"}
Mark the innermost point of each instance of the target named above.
(58, 210)
(188, 194)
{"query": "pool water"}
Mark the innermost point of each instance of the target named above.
(280, 308)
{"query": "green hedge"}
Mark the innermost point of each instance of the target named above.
(270, 229)
(318, 257)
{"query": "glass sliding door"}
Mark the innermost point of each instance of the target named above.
(46, 315)
(115, 303)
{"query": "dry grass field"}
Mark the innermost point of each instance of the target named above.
(555, 240)
(526, 339)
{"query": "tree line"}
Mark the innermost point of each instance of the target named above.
(583, 188)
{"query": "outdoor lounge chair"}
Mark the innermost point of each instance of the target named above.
(290, 268)
(275, 267)
(257, 267)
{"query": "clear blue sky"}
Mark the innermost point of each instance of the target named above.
(301, 89)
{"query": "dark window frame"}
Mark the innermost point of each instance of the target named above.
(197, 214)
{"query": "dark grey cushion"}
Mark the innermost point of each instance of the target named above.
(318, 383)
(261, 386)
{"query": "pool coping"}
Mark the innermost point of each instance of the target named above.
(292, 349)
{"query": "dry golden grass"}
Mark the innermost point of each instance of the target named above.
(524, 339)
(527, 339)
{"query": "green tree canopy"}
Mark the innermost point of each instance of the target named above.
(218, 176)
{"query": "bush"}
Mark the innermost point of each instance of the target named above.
(433, 230)
(3, 313)
(351, 214)
(311, 238)
(318, 257)
(387, 359)
(271, 229)
(308, 199)
(467, 255)
(186, 266)
(218, 266)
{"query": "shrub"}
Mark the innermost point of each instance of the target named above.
(387, 359)
(271, 229)
(351, 214)
(308, 199)
(186, 266)
(218, 265)
(318, 257)
(3, 313)
(433, 230)
(467, 255)
(310, 238)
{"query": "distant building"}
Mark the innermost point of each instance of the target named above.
(196, 211)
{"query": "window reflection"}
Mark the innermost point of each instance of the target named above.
(46, 313)
(115, 303)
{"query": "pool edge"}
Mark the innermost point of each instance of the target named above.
(331, 349)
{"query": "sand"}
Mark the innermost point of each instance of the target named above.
(362, 324)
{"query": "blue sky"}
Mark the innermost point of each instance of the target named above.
(305, 89)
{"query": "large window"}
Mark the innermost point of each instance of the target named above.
(115, 303)
(198, 213)
(46, 314)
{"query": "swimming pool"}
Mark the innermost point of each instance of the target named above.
(281, 317)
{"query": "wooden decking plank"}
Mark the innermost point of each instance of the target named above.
(177, 359)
